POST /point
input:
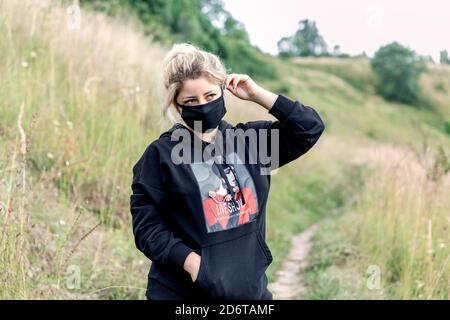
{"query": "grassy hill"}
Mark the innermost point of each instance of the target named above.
(80, 106)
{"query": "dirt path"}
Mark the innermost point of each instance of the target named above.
(290, 282)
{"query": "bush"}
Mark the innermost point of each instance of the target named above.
(447, 127)
(398, 70)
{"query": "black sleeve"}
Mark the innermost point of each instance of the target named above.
(147, 204)
(299, 127)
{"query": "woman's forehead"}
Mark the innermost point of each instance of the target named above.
(197, 87)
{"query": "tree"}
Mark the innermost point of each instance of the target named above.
(444, 59)
(336, 50)
(204, 23)
(398, 70)
(305, 42)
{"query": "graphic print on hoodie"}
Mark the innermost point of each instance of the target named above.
(223, 211)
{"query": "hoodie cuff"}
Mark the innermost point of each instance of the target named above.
(282, 107)
(178, 253)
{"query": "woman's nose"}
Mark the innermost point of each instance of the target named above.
(202, 100)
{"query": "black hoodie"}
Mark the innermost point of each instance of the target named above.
(178, 208)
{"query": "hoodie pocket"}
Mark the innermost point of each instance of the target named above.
(234, 269)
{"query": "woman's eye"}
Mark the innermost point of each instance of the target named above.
(188, 101)
(192, 100)
(212, 95)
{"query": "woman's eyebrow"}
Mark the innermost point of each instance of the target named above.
(196, 97)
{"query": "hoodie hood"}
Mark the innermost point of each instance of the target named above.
(221, 127)
(222, 165)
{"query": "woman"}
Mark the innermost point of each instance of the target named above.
(202, 223)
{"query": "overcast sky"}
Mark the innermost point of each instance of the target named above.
(355, 25)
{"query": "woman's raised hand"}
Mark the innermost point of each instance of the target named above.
(242, 86)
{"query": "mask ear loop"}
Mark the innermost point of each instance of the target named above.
(224, 86)
(238, 184)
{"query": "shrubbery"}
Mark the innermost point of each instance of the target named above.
(398, 70)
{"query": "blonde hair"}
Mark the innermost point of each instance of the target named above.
(185, 61)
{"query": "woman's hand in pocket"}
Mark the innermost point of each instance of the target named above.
(192, 265)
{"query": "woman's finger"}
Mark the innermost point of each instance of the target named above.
(236, 80)
(229, 79)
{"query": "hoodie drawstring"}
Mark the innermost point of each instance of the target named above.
(224, 176)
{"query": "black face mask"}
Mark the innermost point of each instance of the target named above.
(209, 113)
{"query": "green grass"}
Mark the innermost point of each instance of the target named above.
(398, 224)
(300, 198)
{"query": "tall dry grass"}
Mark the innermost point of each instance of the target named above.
(83, 103)
(402, 225)
(92, 91)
